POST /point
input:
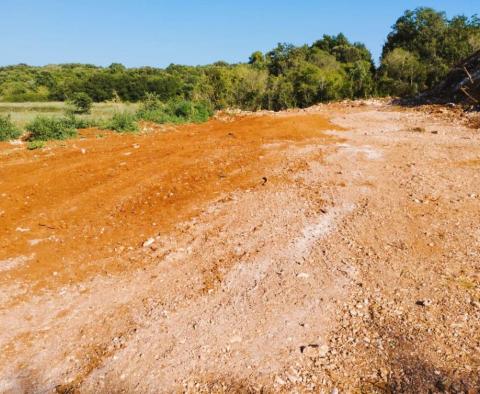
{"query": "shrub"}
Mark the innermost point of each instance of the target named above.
(151, 102)
(174, 111)
(44, 128)
(80, 123)
(122, 122)
(8, 131)
(82, 103)
(191, 111)
(32, 145)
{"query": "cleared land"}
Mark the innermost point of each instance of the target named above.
(336, 247)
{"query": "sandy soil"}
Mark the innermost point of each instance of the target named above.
(334, 249)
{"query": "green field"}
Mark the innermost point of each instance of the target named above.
(22, 113)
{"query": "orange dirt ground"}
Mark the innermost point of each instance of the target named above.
(69, 207)
(334, 249)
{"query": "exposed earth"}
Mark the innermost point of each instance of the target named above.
(334, 249)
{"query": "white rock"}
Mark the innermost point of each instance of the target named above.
(236, 339)
(303, 275)
(148, 242)
(323, 350)
(238, 251)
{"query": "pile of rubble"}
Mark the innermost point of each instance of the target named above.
(461, 85)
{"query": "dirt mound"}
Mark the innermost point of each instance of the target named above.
(461, 85)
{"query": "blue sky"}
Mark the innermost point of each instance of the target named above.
(157, 33)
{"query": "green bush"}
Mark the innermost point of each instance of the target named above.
(44, 128)
(122, 122)
(8, 131)
(80, 123)
(81, 102)
(191, 111)
(174, 111)
(151, 103)
(32, 145)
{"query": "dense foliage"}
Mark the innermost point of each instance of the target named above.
(123, 122)
(44, 128)
(173, 111)
(8, 131)
(81, 102)
(421, 47)
(331, 68)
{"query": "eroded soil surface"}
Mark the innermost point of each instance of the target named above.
(334, 249)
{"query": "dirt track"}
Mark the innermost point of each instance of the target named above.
(332, 248)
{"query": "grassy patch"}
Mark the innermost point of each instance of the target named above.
(81, 123)
(123, 122)
(8, 131)
(32, 145)
(24, 113)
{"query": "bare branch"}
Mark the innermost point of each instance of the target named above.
(469, 95)
(469, 75)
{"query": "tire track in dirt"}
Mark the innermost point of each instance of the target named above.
(122, 278)
(354, 266)
(78, 201)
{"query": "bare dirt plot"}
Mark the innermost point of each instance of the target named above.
(65, 208)
(274, 252)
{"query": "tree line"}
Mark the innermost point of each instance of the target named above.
(420, 49)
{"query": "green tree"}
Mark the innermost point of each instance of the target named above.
(360, 79)
(117, 68)
(280, 93)
(220, 80)
(82, 103)
(436, 42)
(402, 73)
(257, 59)
(249, 86)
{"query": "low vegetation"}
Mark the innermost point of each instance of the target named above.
(44, 128)
(32, 145)
(174, 111)
(122, 122)
(59, 127)
(8, 130)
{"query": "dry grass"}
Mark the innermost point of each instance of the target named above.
(22, 113)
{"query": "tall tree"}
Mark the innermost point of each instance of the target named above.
(430, 38)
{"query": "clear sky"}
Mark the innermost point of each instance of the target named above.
(157, 33)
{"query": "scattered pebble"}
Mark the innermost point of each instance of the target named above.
(236, 339)
(303, 275)
(148, 242)
(423, 302)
